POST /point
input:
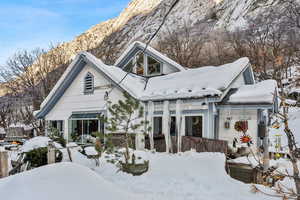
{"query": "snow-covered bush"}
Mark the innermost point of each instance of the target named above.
(38, 157)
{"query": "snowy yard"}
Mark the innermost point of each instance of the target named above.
(187, 176)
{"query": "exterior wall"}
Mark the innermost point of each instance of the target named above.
(168, 69)
(239, 81)
(74, 99)
(235, 115)
(191, 108)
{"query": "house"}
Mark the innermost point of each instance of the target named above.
(205, 102)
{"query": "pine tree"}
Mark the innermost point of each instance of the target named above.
(126, 118)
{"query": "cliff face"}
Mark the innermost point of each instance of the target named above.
(142, 18)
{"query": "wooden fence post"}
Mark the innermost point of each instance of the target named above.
(3, 163)
(51, 153)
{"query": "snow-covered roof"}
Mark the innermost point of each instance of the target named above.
(262, 92)
(200, 82)
(151, 50)
(194, 83)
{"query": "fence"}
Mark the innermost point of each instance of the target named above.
(188, 143)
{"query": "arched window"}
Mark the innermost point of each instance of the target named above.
(88, 83)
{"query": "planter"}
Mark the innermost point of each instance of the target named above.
(135, 169)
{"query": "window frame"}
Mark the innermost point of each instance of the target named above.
(85, 90)
(147, 66)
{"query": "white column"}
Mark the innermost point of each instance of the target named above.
(166, 125)
(66, 130)
(151, 124)
(178, 125)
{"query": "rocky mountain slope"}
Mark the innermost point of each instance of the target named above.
(142, 17)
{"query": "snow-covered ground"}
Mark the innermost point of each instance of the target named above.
(188, 176)
(294, 125)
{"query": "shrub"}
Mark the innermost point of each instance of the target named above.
(38, 157)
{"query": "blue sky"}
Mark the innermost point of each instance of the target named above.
(26, 24)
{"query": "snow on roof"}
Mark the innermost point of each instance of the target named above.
(200, 82)
(262, 92)
(196, 83)
(150, 49)
(133, 84)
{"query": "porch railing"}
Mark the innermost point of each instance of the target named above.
(188, 143)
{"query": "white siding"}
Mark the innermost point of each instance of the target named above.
(236, 115)
(239, 81)
(168, 69)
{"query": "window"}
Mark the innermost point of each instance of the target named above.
(88, 83)
(129, 66)
(193, 126)
(140, 64)
(157, 126)
(154, 67)
(143, 65)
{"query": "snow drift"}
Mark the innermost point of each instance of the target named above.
(61, 181)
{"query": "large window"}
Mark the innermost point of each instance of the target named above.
(82, 129)
(88, 83)
(157, 126)
(144, 65)
(194, 126)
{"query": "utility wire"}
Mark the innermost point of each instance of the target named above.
(175, 2)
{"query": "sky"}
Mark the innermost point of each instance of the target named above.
(28, 24)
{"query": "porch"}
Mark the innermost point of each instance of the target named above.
(189, 142)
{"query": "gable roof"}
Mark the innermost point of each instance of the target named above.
(139, 46)
(263, 93)
(193, 83)
(114, 74)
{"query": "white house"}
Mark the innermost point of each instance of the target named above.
(204, 102)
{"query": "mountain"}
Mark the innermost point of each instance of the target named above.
(142, 17)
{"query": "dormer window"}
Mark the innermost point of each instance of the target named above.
(154, 67)
(89, 83)
(144, 65)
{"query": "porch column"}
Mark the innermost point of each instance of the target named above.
(166, 126)
(178, 125)
(66, 130)
(151, 124)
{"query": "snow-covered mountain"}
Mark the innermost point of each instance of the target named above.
(142, 17)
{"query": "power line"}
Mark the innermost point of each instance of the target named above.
(175, 2)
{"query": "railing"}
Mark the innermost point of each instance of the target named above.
(188, 143)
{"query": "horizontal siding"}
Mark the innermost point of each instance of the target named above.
(74, 98)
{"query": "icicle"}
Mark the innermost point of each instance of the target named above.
(150, 119)
(178, 124)
(166, 125)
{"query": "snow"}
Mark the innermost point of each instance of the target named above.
(91, 151)
(262, 92)
(188, 176)
(194, 82)
(37, 142)
(294, 125)
(60, 181)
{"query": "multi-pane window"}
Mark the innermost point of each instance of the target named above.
(154, 67)
(143, 65)
(89, 83)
